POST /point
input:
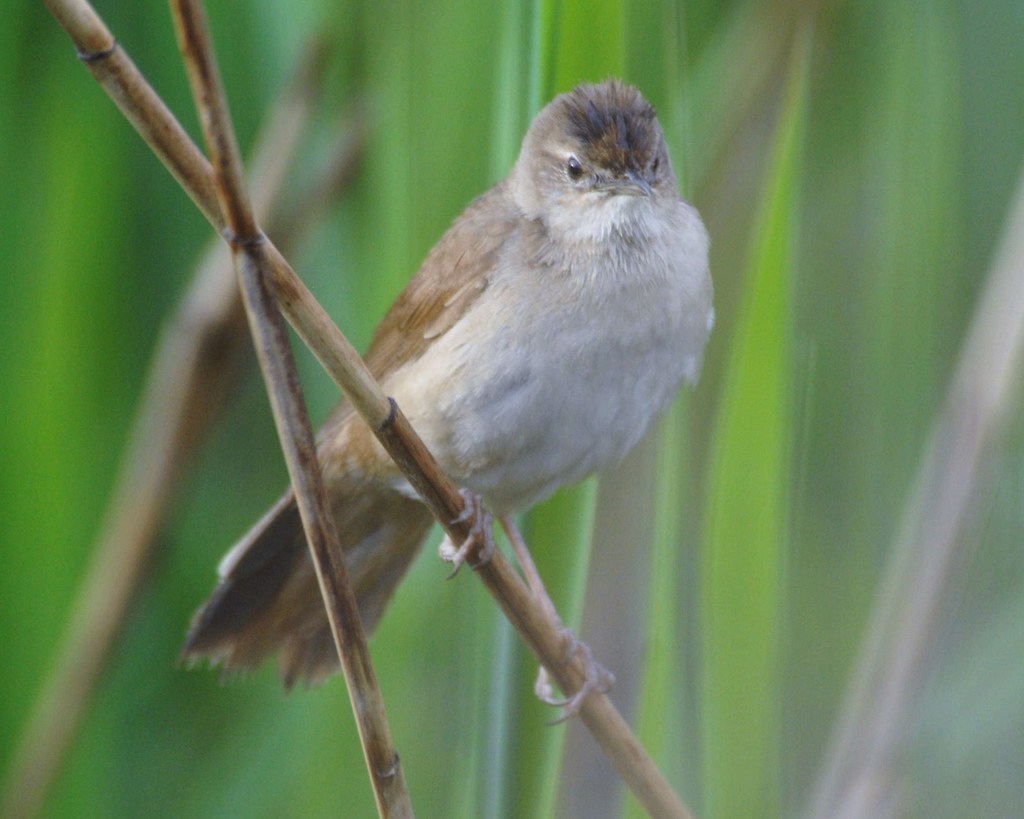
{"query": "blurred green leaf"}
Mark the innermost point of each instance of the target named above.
(747, 527)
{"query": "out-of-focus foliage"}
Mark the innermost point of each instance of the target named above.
(905, 141)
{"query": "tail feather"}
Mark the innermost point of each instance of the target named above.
(268, 602)
(251, 576)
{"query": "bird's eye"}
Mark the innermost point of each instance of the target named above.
(575, 168)
(655, 164)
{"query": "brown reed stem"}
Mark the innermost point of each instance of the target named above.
(290, 416)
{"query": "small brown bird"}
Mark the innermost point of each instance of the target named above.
(547, 328)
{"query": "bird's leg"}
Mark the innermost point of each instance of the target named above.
(529, 568)
(598, 678)
(481, 534)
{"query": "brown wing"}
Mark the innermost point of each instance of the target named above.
(452, 277)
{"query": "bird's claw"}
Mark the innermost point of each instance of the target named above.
(597, 678)
(481, 534)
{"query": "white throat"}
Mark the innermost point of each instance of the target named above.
(594, 218)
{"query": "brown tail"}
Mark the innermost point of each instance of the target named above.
(268, 600)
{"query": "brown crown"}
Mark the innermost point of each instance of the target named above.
(614, 123)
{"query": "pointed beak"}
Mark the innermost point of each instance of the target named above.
(631, 184)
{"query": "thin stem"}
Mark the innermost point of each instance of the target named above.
(278, 365)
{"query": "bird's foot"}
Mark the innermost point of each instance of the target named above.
(597, 678)
(480, 537)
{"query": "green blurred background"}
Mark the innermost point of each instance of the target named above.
(854, 162)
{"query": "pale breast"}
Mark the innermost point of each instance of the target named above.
(554, 373)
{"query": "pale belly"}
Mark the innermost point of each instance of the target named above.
(559, 421)
(514, 406)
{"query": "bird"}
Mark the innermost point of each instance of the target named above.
(550, 325)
